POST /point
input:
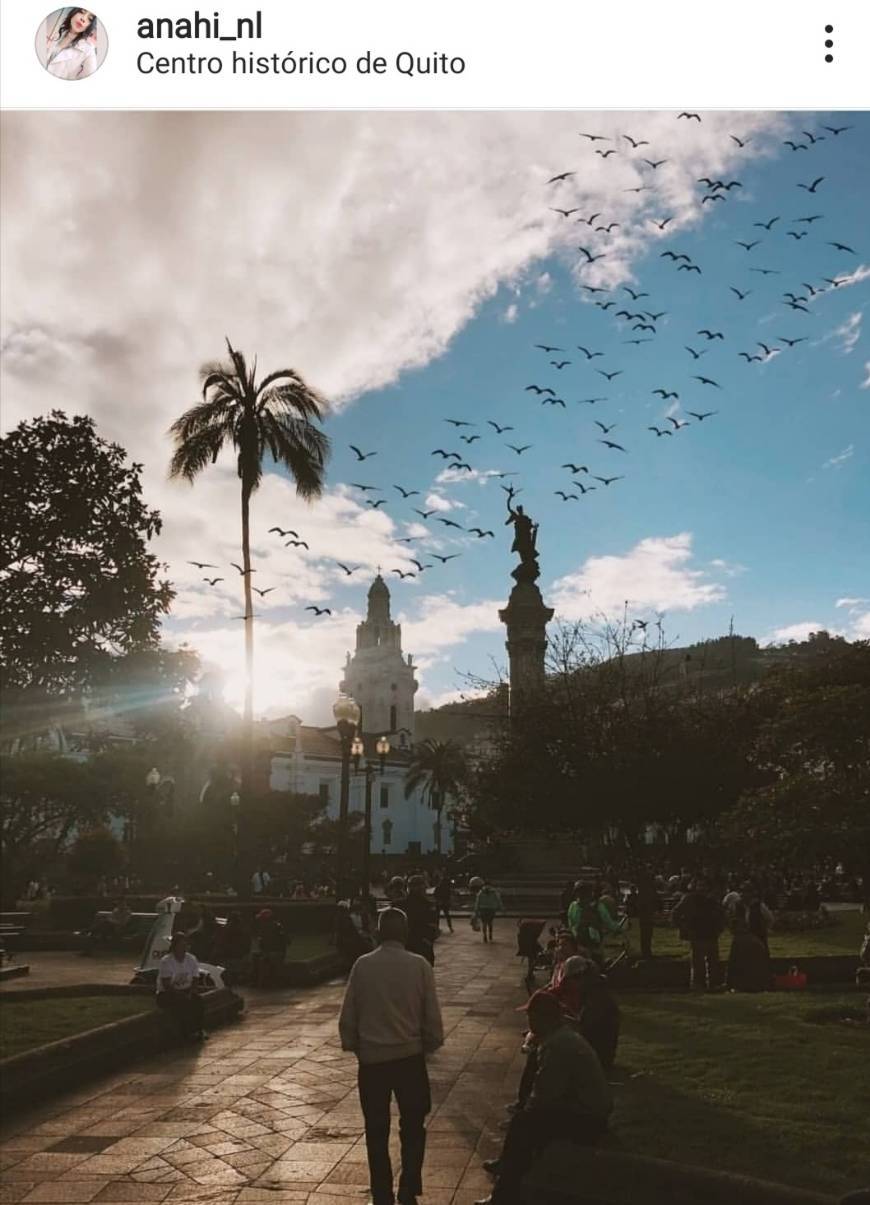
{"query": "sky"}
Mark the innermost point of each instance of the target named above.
(407, 265)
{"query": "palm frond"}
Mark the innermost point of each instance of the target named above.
(300, 447)
(197, 451)
(214, 412)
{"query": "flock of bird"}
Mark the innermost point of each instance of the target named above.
(560, 362)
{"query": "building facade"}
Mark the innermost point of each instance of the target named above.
(307, 760)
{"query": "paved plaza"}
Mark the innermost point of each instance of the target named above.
(267, 1110)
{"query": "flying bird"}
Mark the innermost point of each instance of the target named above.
(347, 568)
(461, 464)
(664, 394)
(740, 142)
(366, 489)
(297, 544)
(812, 187)
(689, 268)
(519, 451)
(319, 610)
(792, 342)
(593, 137)
(696, 355)
(608, 480)
(590, 355)
(766, 225)
(711, 334)
(740, 296)
(566, 497)
(403, 574)
(480, 533)
(375, 504)
(660, 432)
(424, 514)
(559, 364)
(841, 247)
(712, 196)
(289, 532)
(420, 566)
(539, 389)
(361, 455)
(677, 424)
(544, 347)
(816, 217)
(445, 455)
(796, 146)
(604, 154)
(585, 489)
(691, 116)
(705, 414)
(562, 176)
(566, 213)
(445, 559)
(635, 142)
(213, 581)
(608, 443)
(501, 430)
(469, 439)
(747, 246)
(576, 468)
(796, 234)
(655, 165)
(459, 422)
(242, 572)
(205, 564)
(707, 381)
(609, 375)
(450, 523)
(263, 593)
(836, 130)
(634, 296)
(604, 427)
(590, 258)
(408, 493)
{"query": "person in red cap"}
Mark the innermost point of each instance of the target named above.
(569, 1100)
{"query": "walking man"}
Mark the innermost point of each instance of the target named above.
(391, 1020)
(700, 919)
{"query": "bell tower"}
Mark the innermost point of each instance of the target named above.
(377, 674)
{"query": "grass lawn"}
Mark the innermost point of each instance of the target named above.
(842, 938)
(28, 1023)
(746, 1084)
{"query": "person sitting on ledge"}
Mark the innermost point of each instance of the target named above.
(569, 1100)
(177, 974)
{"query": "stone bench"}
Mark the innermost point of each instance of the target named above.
(607, 1176)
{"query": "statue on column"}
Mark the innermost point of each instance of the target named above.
(525, 541)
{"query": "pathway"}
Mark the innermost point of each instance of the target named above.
(267, 1111)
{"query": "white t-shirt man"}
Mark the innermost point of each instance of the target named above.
(181, 973)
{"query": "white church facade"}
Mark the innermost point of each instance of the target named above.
(307, 760)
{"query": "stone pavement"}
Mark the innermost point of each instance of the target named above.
(267, 1111)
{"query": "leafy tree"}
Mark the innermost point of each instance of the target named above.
(439, 768)
(274, 417)
(78, 585)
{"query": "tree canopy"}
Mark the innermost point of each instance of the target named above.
(78, 585)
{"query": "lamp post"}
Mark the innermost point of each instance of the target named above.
(370, 769)
(235, 804)
(347, 713)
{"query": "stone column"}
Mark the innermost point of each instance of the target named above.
(526, 618)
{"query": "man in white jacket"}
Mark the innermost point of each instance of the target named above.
(391, 1020)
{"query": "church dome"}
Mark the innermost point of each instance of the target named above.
(379, 588)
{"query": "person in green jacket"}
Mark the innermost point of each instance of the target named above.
(589, 920)
(486, 904)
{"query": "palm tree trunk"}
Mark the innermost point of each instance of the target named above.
(247, 767)
(437, 805)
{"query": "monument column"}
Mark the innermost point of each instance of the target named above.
(526, 616)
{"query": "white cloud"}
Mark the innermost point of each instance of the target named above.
(440, 622)
(851, 602)
(848, 334)
(657, 574)
(796, 631)
(865, 384)
(511, 313)
(861, 626)
(439, 502)
(837, 462)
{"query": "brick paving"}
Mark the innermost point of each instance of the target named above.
(267, 1111)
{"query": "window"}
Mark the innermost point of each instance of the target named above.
(385, 797)
(387, 829)
(323, 793)
(393, 716)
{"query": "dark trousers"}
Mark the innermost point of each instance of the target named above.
(409, 1080)
(186, 1010)
(645, 924)
(706, 970)
(528, 1076)
(528, 1133)
(443, 910)
(486, 919)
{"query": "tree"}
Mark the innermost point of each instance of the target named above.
(274, 417)
(95, 853)
(78, 585)
(439, 768)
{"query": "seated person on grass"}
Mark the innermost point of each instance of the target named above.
(569, 1100)
(177, 974)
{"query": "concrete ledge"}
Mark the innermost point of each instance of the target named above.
(612, 1177)
(312, 970)
(14, 971)
(46, 1070)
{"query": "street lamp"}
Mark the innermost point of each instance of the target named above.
(235, 804)
(370, 769)
(347, 714)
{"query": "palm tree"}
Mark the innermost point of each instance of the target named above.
(439, 768)
(273, 417)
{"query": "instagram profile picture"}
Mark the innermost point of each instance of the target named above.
(71, 43)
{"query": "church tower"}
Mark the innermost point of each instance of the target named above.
(378, 675)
